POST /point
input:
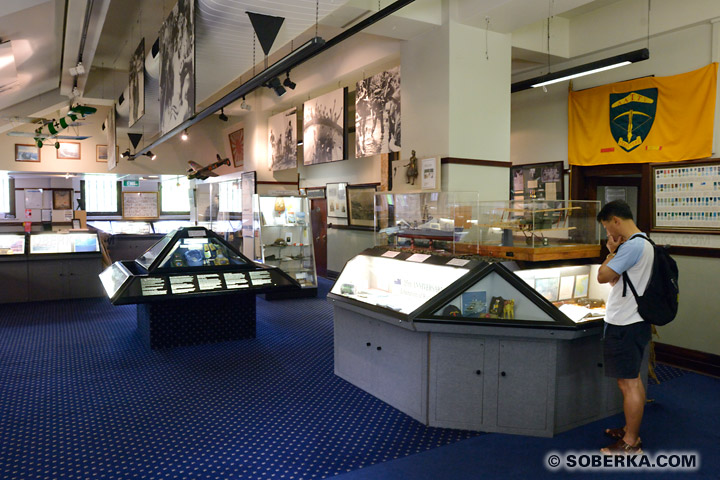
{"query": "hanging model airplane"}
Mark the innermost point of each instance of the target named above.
(197, 171)
(50, 130)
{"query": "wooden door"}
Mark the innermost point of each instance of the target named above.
(318, 219)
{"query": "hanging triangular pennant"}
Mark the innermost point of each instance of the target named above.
(135, 138)
(266, 28)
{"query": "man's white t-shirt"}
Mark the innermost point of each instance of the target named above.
(636, 257)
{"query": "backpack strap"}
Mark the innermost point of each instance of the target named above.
(626, 278)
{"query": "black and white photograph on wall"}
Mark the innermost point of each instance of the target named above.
(177, 66)
(336, 200)
(324, 128)
(282, 140)
(377, 114)
(136, 90)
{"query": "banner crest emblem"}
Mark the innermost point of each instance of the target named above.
(631, 116)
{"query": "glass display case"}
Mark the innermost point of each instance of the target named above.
(459, 223)
(426, 288)
(12, 243)
(190, 261)
(72, 242)
(436, 220)
(286, 237)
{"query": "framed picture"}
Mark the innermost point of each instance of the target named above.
(548, 287)
(282, 140)
(237, 147)
(324, 132)
(685, 197)
(68, 151)
(317, 192)
(101, 153)
(336, 200)
(377, 114)
(581, 286)
(537, 181)
(27, 153)
(361, 205)
(62, 199)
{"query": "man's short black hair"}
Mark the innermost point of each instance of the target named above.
(616, 208)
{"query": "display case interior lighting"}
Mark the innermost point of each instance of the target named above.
(582, 70)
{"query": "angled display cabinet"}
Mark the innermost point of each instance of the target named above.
(192, 287)
(286, 240)
(474, 344)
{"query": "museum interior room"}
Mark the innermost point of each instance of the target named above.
(303, 239)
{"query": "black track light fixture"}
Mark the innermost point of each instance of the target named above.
(151, 155)
(276, 86)
(184, 135)
(222, 116)
(289, 83)
(125, 154)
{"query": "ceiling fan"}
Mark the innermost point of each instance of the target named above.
(50, 129)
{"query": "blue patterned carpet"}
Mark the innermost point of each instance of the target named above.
(82, 398)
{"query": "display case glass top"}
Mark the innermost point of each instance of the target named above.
(286, 237)
(190, 261)
(397, 281)
(567, 296)
(12, 243)
(73, 242)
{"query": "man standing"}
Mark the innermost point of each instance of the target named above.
(626, 333)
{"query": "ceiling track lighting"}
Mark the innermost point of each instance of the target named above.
(77, 70)
(184, 135)
(289, 83)
(274, 84)
(127, 155)
(244, 105)
(151, 155)
(582, 70)
(222, 116)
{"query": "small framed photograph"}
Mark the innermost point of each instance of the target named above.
(62, 199)
(548, 287)
(361, 205)
(336, 200)
(101, 154)
(68, 151)
(27, 153)
(76, 224)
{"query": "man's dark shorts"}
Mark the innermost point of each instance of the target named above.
(623, 349)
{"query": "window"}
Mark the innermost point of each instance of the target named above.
(230, 197)
(101, 194)
(174, 195)
(7, 205)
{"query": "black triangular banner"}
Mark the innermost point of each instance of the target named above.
(135, 138)
(266, 29)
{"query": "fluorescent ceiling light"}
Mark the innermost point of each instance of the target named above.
(581, 70)
(581, 74)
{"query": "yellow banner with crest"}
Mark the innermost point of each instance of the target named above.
(651, 119)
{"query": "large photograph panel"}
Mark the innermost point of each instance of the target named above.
(377, 114)
(324, 128)
(282, 140)
(177, 66)
(136, 92)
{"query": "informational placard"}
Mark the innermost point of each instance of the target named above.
(154, 286)
(260, 278)
(418, 257)
(140, 205)
(180, 284)
(236, 280)
(209, 281)
(687, 197)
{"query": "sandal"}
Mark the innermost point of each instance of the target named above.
(622, 448)
(615, 433)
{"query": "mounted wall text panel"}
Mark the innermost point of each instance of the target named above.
(687, 197)
(140, 205)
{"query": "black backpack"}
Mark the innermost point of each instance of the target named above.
(659, 304)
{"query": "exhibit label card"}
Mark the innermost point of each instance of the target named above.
(236, 280)
(183, 284)
(390, 254)
(153, 286)
(210, 281)
(260, 278)
(418, 257)
(458, 262)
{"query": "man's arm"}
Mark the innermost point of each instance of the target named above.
(605, 273)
